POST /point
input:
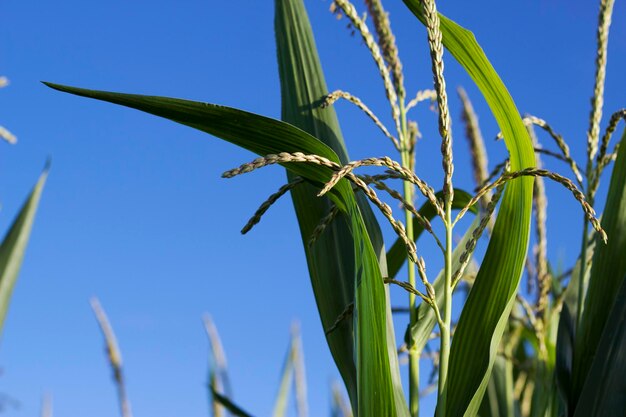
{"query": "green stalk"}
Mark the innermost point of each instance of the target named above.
(444, 355)
(414, 355)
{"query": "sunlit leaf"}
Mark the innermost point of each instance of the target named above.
(482, 324)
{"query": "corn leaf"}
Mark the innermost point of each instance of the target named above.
(605, 385)
(482, 323)
(302, 88)
(286, 380)
(14, 245)
(331, 261)
(607, 276)
(376, 386)
(396, 255)
(258, 134)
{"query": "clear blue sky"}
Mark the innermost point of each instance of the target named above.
(136, 213)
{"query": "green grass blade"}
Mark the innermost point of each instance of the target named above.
(14, 245)
(376, 386)
(303, 87)
(396, 255)
(603, 394)
(286, 381)
(607, 276)
(229, 405)
(482, 323)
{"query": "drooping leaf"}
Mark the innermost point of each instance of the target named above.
(482, 324)
(14, 245)
(396, 255)
(498, 400)
(607, 276)
(302, 89)
(259, 134)
(604, 391)
(268, 136)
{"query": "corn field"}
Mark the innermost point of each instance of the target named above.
(503, 329)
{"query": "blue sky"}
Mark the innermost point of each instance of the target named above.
(136, 213)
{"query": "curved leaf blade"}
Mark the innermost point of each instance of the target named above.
(14, 245)
(264, 136)
(482, 324)
(605, 385)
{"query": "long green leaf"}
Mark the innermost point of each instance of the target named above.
(604, 392)
(607, 275)
(332, 260)
(484, 317)
(396, 255)
(14, 245)
(268, 136)
(259, 134)
(302, 85)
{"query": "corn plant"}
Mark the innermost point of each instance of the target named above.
(14, 244)
(507, 351)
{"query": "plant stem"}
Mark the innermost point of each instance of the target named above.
(447, 316)
(414, 355)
